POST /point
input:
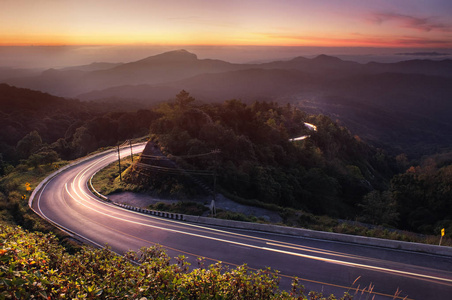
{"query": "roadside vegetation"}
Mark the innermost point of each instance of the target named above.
(331, 181)
(332, 173)
(107, 181)
(15, 190)
(34, 265)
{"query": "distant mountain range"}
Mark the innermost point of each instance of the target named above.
(176, 68)
(405, 105)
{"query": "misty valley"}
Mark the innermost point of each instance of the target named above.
(375, 157)
(383, 139)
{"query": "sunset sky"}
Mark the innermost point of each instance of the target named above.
(345, 23)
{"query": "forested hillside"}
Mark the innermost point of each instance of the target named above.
(402, 107)
(423, 195)
(46, 128)
(331, 172)
(327, 173)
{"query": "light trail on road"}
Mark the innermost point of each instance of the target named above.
(67, 202)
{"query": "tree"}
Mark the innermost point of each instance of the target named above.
(43, 157)
(83, 141)
(183, 99)
(379, 208)
(30, 144)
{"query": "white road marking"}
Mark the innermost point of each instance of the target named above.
(82, 198)
(328, 260)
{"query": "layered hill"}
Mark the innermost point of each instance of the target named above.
(404, 105)
(158, 69)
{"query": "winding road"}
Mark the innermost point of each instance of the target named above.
(331, 267)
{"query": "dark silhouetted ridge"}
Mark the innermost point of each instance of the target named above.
(327, 59)
(172, 56)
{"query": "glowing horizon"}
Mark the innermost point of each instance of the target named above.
(347, 23)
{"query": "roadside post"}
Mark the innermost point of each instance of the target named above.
(443, 232)
(213, 209)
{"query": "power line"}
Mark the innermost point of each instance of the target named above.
(216, 151)
(174, 170)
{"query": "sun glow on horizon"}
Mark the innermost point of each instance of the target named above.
(346, 23)
(255, 40)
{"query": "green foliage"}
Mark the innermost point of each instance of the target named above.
(235, 216)
(30, 144)
(423, 197)
(184, 207)
(328, 173)
(106, 181)
(379, 208)
(15, 190)
(42, 158)
(36, 123)
(34, 265)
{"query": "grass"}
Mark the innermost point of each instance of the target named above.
(16, 188)
(107, 180)
(185, 207)
(297, 218)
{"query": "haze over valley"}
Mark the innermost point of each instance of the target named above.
(199, 146)
(404, 106)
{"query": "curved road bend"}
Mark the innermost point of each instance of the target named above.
(321, 265)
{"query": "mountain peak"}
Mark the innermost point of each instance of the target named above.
(175, 55)
(327, 58)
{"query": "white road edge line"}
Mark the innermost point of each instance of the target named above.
(334, 261)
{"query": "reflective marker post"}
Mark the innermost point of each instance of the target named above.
(443, 231)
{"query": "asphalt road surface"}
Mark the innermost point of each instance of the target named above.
(321, 265)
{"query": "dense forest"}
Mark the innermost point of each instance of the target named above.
(247, 149)
(402, 107)
(331, 172)
(250, 150)
(327, 173)
(41, 128)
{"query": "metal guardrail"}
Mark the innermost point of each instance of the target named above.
(133, 208)
(157, 213)
(408, 246)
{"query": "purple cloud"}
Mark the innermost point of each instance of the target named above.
(417, 23)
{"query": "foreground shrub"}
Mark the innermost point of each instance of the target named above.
(34, 265)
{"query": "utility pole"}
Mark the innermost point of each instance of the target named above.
(131, 152)
(119, 165)
(213, 209)
(215, 153)
(214, 184)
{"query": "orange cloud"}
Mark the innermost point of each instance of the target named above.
(356, 40)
